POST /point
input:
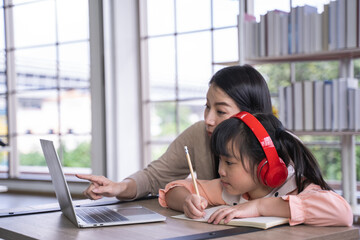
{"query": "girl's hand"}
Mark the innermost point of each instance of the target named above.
(194, 206)
(248, 209)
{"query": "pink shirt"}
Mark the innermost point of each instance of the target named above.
(312, 206)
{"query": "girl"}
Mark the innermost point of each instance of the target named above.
(231, 89)
(264, 171)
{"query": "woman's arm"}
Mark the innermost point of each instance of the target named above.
(172, 165)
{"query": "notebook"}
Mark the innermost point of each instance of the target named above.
(97, 216)
(257, 222)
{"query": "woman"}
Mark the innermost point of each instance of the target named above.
(231, 90)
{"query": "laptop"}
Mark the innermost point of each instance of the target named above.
(96, 216)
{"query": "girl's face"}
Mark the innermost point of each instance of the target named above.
(237, 179)
(219, 107)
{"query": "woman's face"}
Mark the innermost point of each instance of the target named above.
(219, 107)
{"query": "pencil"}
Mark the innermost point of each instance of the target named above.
(191, 171)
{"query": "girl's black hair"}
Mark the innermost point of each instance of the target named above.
(233, 137)
(247, 87)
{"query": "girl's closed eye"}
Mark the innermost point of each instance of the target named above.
(229, 163)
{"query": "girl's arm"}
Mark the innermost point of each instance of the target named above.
(315, 206)
(273, 206)
(312, 206)
(180, 195)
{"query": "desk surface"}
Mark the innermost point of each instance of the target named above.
(56, 226)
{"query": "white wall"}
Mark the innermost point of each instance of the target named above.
(122, 81)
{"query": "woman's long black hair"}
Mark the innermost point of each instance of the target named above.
(233, 137)
(247, 87)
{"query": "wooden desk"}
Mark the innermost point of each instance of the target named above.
(56, 226)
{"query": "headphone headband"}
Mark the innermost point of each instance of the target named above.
(261, 134)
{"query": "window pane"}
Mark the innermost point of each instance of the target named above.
(194, 64)
(76, 151)
(320, 70)
(75, 111)
(30, 153)
(191, 112)
(193, 15)
(327, 151)
(157, 150)
(160, 17)
(162, 68)
(74, 65)
(4, 164)
(275, 75)
(226, 45)
(2, 36)
(163, 121)
(34, 24)
(38, 112)
(73, 20)
(3, 118)
(225, 13)
(3, 86)
(36, 68)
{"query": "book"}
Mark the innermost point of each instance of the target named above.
(332, 26)
(341, 24)
(325, 28)
(308, 97)
(328, 116)
(282, 104)
(357, 110)
(257, 222)
(298, 106)
(354, 109)
(344, 85)
(351, 28)
(318, 105)
(335, 105)
(351, 94)
(289, 123)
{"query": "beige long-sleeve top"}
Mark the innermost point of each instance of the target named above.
(172, 165)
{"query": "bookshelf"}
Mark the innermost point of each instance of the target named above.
(345, 57)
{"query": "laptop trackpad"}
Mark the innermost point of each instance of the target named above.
(133, 211)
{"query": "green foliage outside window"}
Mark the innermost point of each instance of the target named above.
(78, 157)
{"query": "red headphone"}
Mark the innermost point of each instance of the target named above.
(272, 170)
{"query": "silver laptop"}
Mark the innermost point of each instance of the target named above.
(91, 216)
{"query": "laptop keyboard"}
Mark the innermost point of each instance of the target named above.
(99, 215)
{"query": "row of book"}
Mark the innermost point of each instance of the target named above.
(331, 105)
(304, 30)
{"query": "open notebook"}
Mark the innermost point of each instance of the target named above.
(257, 222)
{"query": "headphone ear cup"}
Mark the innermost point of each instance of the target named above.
(262, 170)
(275, 176)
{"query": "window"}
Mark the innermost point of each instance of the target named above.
(45, 85)
(184, 38)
